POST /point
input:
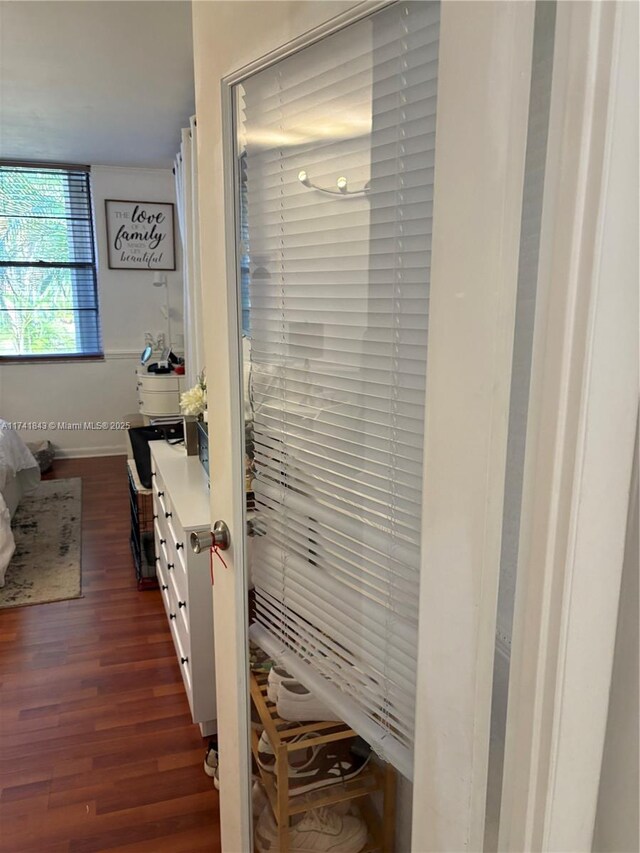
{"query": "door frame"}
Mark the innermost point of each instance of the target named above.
(580, 437)
(481, 138)
(449, 816)
(527, 812)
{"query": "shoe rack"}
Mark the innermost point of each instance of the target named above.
(375, 779)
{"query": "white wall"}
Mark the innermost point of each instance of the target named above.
(129, 303)
(129, 306)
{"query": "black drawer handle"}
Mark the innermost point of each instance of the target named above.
(184, 660)
(172, 616)
(163, 541)
(157, 559)
(179, 545)
(171, 566)
(168, 515)
(182, 604)
(154, 517)
(160, 494)
(164, 586)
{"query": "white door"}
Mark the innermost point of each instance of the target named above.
(484, 68)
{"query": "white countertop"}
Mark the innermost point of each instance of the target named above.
(186, 482)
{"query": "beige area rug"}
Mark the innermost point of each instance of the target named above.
(47, 528)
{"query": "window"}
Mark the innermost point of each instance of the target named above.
(48, 286)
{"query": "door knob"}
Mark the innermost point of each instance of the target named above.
(202, 540)
(221, 537)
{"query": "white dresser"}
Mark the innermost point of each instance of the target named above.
(181, 505)
(158, 393)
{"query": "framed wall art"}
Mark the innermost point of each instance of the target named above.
(140, 235)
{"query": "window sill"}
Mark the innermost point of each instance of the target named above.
(49, 359)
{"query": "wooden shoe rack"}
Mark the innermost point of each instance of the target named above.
(375, 779)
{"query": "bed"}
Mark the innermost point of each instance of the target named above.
(19, 474)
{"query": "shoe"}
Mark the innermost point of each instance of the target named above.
(256, 722)
(211, 757)
(317, 766)
(276, 675)
(259, 800)
(321, 830)
(259, 661)
(267, 757)
(298, 704)
(216, 778)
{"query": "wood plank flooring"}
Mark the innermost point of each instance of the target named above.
(97, 748)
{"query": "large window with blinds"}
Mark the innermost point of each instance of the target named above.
(48, 286)
(335, 148)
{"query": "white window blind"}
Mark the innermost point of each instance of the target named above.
(337, 149)
(48, 284)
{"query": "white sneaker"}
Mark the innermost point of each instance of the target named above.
(211, 758)
(297, 758)
(322, 830)
(276, 675)
(316, 766)
(297, 704)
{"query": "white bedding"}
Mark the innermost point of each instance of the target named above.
(15, 457)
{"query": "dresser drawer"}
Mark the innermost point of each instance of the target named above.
(179, 583)
(172, 613)
(161, 503)
(179, 540)
(156, 477)
(161, 536)
(182, 646)
(158, 382)
(182, 628)
(182, 607)
(165, 558)
(159, 402)
(163, 583)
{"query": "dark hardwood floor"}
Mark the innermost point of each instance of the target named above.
(97, 748)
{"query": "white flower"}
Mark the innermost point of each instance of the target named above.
(194, 401)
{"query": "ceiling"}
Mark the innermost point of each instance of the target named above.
(95, 82)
